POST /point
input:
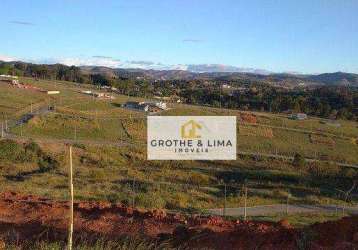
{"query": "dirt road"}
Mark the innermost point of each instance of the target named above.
(282, 209)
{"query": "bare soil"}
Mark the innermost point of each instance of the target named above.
(27, 217)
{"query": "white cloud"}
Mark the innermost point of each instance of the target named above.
(22, 23)
(192, 40)
(99, 60)
(107, 61)
(82, 61)
(7, 58)
(110, 62)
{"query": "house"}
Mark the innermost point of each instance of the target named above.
(8, 77)
(298, 116)
(151, 107)
(104, 95)
(161, 105)
(11, 79)
(226, 86)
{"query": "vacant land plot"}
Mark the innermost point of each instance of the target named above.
(14, 101)
(122, 173)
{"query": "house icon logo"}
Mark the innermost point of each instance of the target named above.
(189, 130)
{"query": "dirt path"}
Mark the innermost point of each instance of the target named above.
(281, 209)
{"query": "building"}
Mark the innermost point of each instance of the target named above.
(134, 105)
(171, 99)
(87, 92)
(53, 92)
(298, 116)
(151, 107)
(226, 86)
(104, 96)
(50, 92)
(161, 105)
(8, 77)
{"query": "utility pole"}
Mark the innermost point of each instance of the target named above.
(70, 232)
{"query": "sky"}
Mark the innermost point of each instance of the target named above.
(306, 36)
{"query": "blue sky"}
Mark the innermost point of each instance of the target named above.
(309, 36)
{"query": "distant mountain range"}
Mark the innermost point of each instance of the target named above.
(221, 72)
(213, 73)
(211, 68)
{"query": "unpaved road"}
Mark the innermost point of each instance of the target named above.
(282, 208)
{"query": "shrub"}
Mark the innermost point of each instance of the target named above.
(349, 173)
(11, 151)
(79, 145)
(281, 194)
(199, 179)
(32, 151)
(33, 147)
(299, 161)
(150, 200)
(98, 174)
(47, 163)
(179, 200)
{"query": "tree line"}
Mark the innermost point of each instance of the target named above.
(325, 101)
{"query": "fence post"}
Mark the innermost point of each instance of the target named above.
(71, 205)
(224, 211)
(133, 191)
(287, 202)
(75, 134)
(245, 204)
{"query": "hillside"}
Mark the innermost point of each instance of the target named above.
(82, 73)
(338, 78)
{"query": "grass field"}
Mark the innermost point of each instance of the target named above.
(103, 120)
(110, 172)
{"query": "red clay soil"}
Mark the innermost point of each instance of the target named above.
(30, 217)
(249, 118)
